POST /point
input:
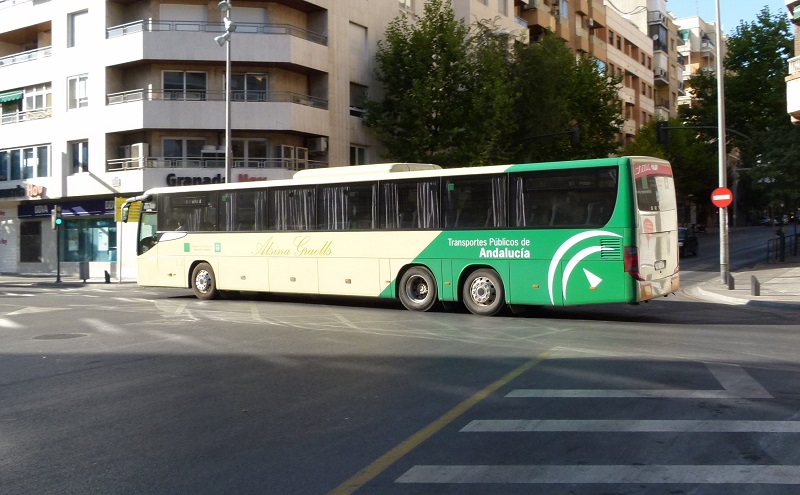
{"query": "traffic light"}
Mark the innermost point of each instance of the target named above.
(575, 135)
(662, 133)
(55, 217)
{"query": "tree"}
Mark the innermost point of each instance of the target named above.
(447, 92)
(755, 107)
(455, 96)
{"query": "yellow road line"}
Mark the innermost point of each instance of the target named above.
(378, 466)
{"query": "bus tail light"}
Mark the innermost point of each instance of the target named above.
(632, 262)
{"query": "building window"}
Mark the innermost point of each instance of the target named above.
(186, 85)
(37, 98)
(76, 92)
(358, 96)
(502, 7)
(79, 156)
(610, 37)
(252, 153)
(249, 87)
(30, 242)
(184, 152)
(25, 163)
(358, 155)
(406, 5)
(78, 29)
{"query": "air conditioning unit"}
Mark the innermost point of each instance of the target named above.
(317, 144)
(590, 23)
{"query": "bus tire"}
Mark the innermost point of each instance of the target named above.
(483, 292)
(204, 283)
(418, 290)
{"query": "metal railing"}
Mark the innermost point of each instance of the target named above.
(794, 65)
(16, 117)
(199, 95)
(118, 164)
(214, 27)
(780, 246)
(18, 58)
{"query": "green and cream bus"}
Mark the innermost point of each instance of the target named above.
(561, 233)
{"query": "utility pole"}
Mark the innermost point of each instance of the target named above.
(723, 153)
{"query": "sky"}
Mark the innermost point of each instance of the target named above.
(731, 11)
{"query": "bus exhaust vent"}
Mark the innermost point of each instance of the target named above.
(612, 249)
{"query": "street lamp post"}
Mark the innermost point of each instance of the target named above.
(225, 39)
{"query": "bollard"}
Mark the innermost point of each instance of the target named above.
(731, 284)
(108, 277)
(755, 286)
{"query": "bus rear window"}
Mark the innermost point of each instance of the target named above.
(655, 193)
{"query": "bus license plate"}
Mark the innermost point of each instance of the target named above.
(660, 264)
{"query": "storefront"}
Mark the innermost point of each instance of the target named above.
(88, 234)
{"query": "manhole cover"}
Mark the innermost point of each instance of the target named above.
(59, 336)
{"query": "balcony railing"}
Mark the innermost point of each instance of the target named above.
(199, 95)
(4, 4)
(15, 117)
(262, 163)
(214, 27)
(794, 66)
(21, 57)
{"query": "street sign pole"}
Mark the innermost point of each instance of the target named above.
(723, 153)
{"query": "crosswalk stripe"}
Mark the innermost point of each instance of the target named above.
(622, 426)
(605, 474)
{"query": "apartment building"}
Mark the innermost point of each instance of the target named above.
(102, 100)
(793, 77)
(699, 50)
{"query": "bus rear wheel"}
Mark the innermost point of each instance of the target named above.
(483, 292)
(418, 289)
(204, 283)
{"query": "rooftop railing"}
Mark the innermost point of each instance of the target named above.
(214, 27)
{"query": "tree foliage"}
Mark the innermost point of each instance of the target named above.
(460, 96)
(755, 109)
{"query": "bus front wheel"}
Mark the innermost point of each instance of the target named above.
(418, 289)
(204, 283)
(483, 292)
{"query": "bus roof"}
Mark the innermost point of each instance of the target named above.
(363, 169)
(384, 171)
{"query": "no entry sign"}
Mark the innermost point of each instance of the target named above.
(722, 197)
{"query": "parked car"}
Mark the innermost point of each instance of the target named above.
(687, 242)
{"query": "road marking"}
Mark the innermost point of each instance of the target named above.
(712, 474)
(736, 382)
(378, 466)
(627, 426)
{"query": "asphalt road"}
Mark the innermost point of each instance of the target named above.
(128, 390)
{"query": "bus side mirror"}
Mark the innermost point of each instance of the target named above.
(124, 213)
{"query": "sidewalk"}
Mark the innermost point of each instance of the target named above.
(779, 287)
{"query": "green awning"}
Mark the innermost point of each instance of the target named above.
(11, 96)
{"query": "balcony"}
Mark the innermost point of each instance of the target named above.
(293, 164)
(194, 41)
(253, 110)
(793, 89)
(16, 117)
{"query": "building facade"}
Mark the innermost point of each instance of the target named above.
(793, 77)
(699, 50)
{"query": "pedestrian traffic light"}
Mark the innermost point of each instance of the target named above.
(662, 135)
(55, 217)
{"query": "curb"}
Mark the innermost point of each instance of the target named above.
(738, 301)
